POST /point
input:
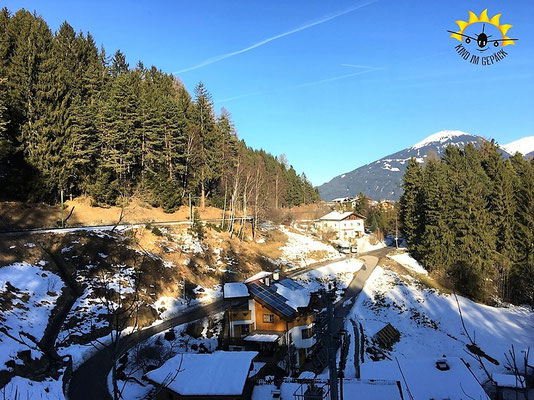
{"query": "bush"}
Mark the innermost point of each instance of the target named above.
(197, 228)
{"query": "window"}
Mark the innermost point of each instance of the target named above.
(268, 318)
(307, 333)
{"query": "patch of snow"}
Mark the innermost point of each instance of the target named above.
(22, 388)
(32, 295)
(364, 244)
(262, 337)
(102, 255)
(524, 146)
(407, 261)
(30, 245)
(439, 137)
(302, 250)
(66, 249)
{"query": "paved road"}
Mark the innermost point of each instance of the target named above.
(89, 381)
(123, 225)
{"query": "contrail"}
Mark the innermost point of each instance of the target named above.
(359, 66)
(334, 78)
(301, 85)
(265, 41)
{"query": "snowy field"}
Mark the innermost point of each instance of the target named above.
(27, 296)
(364, 244)
(406, 261)
(302, 250)
(340, 272)
(430, 326)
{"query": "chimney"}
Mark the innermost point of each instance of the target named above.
(276, 275)
(267, 281)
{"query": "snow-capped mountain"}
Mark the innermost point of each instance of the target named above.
(381, 179)
(524, 146)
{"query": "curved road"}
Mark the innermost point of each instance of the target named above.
(89, 381)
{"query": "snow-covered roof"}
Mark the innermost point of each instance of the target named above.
(425, 381)
(296, 296)
(262, 337)
(509, 381)
(259, 275)
(235, 289)
(336, 216)
(222, 373)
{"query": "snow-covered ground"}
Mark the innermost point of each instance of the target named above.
(430, 325)
(364, 244)
(341, 272)
(302, 250)
(27, 296)
(407, 261)
(22, 388)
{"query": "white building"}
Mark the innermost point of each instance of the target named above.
(347, 225)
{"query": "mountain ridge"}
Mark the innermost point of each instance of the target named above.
(381, 179)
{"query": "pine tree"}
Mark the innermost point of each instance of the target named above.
(437, 237)
(412, 220)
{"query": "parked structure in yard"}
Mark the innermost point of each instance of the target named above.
(346, 226)
(271, 315)
(219, 375)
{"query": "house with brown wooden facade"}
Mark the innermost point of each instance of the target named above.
(270, 314)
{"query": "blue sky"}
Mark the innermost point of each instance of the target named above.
(288, 71)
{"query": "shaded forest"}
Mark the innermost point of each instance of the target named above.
(469, 217)
(73, 118)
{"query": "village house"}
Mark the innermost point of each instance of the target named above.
(347, 225)
(271, 315)
(218, 375)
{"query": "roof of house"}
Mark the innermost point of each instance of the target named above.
(234, 290)
(269, 296)
(205, 374)
(426, 381)
(259, 275)
(337, 216)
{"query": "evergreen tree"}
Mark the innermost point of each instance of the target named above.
(411, 205)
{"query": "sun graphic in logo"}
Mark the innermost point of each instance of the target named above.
(483, 39)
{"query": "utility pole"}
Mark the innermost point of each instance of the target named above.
(190, 210)
(331, 348)
(396, 232)
(62, 214)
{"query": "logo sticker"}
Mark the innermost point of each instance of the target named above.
(482, 38)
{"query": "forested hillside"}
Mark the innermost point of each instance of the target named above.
(470, 217)
(73, 118)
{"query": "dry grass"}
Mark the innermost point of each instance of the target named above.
(308, 211)
(17, 215)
